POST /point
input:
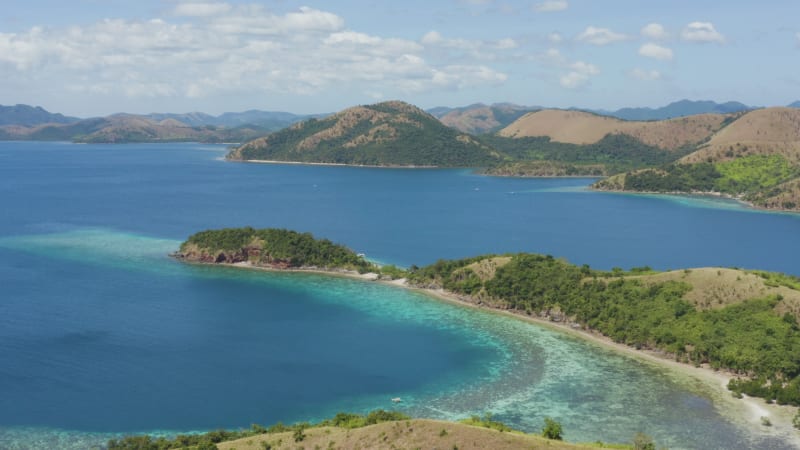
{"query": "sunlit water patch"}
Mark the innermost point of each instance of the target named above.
(151, 343)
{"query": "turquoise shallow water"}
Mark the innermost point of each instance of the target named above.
(101, 334)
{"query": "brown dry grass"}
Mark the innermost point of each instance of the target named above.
(577, 127)
(763, 131)
(486, 268)
(714, 288)
(407, 434)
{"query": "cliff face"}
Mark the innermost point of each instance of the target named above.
(385, 134)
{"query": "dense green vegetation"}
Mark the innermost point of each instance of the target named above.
(748, 176)
(616, 152)
(270, 246)
(402, 137)
(749, 338)
(210, 439)
(546, 169)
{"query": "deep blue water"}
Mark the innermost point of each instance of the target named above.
(101, 333)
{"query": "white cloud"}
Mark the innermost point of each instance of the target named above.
(656, 51)
(200, 9)
(551, 6)
(798, 39)
(555, 38)
(600, 36)
(579, 75)
(654, 31)
(646, 75)
(702, 32)
(243, 50)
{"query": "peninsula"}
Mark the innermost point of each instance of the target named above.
(742, 322)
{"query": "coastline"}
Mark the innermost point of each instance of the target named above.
(303, 163)
(745, 411)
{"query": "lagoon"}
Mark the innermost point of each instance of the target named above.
(102, 334)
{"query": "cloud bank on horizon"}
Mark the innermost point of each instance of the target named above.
(233, 55)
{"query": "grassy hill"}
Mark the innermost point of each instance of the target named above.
(377, 430)
(742, 321)
(385, 134)
(408, 434)
(578, 127)
(756, 158)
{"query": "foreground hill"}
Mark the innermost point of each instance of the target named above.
(480, 118)
(756, 158)
(377, 430)
(391, 133)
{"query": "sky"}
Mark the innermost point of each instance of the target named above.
(97, 57)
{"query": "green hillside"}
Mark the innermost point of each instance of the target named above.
(385, 134)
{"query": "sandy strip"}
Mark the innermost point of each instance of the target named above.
(301, 163)
(747, 411)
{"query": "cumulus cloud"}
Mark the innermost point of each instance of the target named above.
(702, 32)
(600, 36)
(656, 51)
(579, 75)
(646, 75)
(199, 9)
(551, 6)
(555, 38)
(654, 31)
(218, 49)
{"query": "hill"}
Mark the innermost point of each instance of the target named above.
(28, 116)
(741, 321)
(391, 133)
(480, 118)
(269, 248)
(795, 104)
(408, 434)
(579, 127)
(377, 430)
(680, 108)
(756, 158)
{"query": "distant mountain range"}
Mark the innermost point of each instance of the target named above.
(23, 122)
(795, 104)
(25, 115)
(680, 108)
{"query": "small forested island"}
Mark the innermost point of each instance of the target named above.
(270, 248)
(743, 322)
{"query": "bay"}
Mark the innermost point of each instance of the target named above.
(101, 334)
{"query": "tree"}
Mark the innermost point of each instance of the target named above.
(643, 442)
(552, 429)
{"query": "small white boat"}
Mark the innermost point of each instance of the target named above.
(397, 400)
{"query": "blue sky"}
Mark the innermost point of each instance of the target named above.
(96, 57)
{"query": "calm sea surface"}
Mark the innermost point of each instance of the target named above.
(101, 334)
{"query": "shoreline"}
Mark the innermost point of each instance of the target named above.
(745, 411)
(371, 166)
(703, 194)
